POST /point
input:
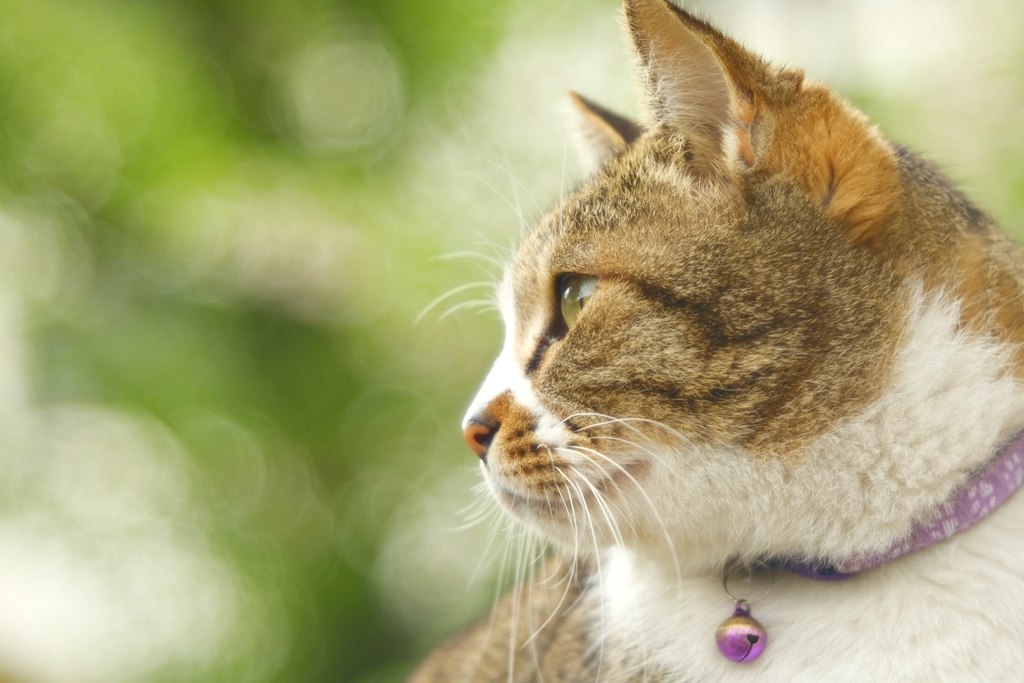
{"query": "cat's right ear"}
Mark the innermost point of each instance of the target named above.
(699, 82)
(734, 112)
(603, 134)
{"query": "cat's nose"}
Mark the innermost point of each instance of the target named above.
(479, 433)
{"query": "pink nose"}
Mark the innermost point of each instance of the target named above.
(479, 436)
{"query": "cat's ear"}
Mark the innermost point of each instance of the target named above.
(735, 112)
(699, 82)
(603, 133)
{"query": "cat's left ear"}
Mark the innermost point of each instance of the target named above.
(603, 134)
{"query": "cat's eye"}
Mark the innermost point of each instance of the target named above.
(574, 290)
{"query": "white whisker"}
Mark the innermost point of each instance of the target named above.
(522, 219)
(513, 177)
(450, 293)
(625, 421)
(597, 560)
(481, 304)
(450, 256)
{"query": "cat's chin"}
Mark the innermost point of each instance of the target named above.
(531, 511)
(562, 513)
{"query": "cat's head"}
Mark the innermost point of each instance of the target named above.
(741, 280)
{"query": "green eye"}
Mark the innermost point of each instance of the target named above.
(575, 291)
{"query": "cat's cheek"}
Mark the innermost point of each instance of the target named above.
(546, 473)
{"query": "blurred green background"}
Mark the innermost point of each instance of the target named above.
(227, 453)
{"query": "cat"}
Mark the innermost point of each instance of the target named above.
(758, 335)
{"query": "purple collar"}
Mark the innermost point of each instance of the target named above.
(977, 499)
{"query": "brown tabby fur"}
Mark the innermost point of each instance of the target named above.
(752, 291)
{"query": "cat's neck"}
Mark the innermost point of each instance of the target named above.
(858, 489)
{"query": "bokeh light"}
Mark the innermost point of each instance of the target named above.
(344, 95)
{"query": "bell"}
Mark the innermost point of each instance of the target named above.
(741, 637)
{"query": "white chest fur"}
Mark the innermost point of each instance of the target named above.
(954, 612)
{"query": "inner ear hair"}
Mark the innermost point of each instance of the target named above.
(604, 133)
